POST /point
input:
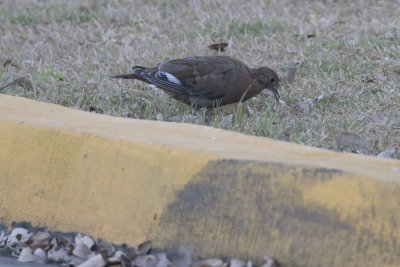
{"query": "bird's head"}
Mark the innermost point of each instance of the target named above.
(266, 78)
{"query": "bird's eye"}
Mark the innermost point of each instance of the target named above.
(272, 79)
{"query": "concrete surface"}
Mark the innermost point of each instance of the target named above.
(226, 193)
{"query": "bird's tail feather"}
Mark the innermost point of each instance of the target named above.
(125, 76)
(131, 75)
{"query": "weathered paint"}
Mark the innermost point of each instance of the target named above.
(225, 193)
(301, 216)
(86, 183)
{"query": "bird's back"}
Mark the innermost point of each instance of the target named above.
(201, 81)
(209, 80)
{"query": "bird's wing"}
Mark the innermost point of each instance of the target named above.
(160, 79)
(208, 77)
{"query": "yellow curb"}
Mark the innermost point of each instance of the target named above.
(225, 193)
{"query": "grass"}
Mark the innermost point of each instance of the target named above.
(347, 53)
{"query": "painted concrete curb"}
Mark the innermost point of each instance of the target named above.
(225, 193)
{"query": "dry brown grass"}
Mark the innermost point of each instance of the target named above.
(69, 48)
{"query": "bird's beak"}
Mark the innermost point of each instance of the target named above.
(276, 93)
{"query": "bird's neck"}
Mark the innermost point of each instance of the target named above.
(254, 89)
(253, 72)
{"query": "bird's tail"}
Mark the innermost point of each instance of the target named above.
(125, 76)
(132, 75)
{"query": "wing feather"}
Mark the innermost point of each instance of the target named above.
(208, 77)
(161, 81)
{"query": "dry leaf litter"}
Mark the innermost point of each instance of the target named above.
(74, 249)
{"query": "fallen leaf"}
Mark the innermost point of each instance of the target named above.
(81, 251)
(40, 255)
(144, 248)
(185, 254)
(53, 242)
(390, 153)
(146, 261)
(70, 249)
(40, 240)
(208, 263)
(106, 249)
(85, 240)
(26, 255)
(131, 254)
(180, 263)
(269, 262)
(116, 257)
(291, 74)
(352, 142)
(220, 47)
(162, 260)
(377, 118)
(75, 261)
(126, 262)
(57, 255)
(18, 235)
(2, 237)
(95, 261)
(236, 263)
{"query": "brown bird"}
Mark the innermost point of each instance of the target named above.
(207, 81)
